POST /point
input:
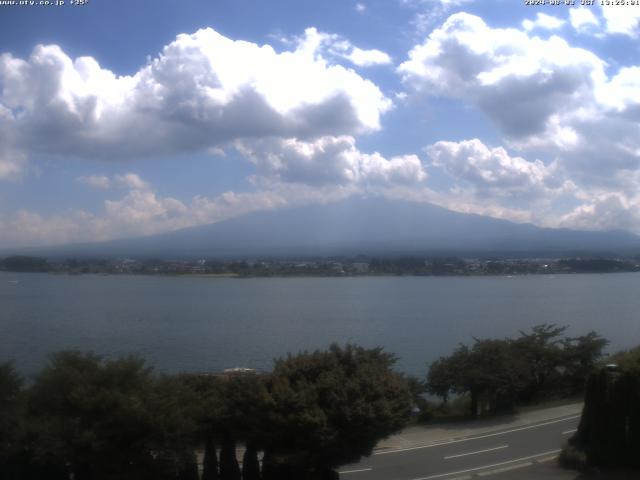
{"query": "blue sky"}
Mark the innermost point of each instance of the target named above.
(130, 118)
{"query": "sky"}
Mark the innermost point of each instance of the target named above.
(120, 118)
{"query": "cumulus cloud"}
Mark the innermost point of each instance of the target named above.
(329, 161)
(543, 22)
(141, 211)
(12, 160)
(492, 172)
(622, 92)
(583, 20)
(519, 81)
(145, 212)
(101, 182)
(431, 11)
(366, 58)
(606, 211)
(131, 180)
(332, 45)
(621, 19)
(443, 3)
(544, 94)
(104, 182)
(202, 91)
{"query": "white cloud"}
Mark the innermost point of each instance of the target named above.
(543, 22)
(144, 212)
(101, 182)
(12, 160)
(360, 7)
(444, 3)
(622, 92)
(336, 46)
(329, 161)
(492, 172)
(583, 20)
(202, 91)
(521, 82)
(621, 19)
(290, 172)
(454, 3)
(367, 58)
(131, 180)
(543, 94)
(431, 12)
(606, 211)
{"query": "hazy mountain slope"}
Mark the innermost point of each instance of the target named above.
(369, 226)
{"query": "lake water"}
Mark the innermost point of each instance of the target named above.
(207, 324)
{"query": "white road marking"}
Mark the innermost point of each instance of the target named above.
(448, 442)
(355, 471)
(475, 453)
(440, 475)
(570, 431)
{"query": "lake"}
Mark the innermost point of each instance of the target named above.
(208, 324)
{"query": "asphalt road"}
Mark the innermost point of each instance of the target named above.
(468, 456)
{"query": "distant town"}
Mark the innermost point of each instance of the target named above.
(322, 267)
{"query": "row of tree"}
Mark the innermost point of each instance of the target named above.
(497, 373)
(87, 418)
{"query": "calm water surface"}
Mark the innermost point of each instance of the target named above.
(205, 324)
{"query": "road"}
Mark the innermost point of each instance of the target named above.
(467, 456)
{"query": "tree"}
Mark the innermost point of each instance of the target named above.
(332, 407)
(542, 352)
(210, 461)
(93, 415)
(175, 433)
(250, 463)
(446, 375)
(12, 419)
(487, 372)
(581, 354)
(499, 372)
(627, 360)
(21, 263)
(208, 401)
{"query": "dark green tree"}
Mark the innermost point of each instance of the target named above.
(175, 434)
(250, 463)
(210, 461)
(580, 356)
(12, 421)
(332, 407)
(495, 373)
(488, 372)
(447, 374)
(542, 352)
(229, 468)
(93, 416)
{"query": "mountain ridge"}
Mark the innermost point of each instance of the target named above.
(370, 226)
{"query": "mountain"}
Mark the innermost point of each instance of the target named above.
(361, 226)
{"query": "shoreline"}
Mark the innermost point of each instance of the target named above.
(232, 275)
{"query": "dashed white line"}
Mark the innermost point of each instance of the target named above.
(475, 453)
(522, 459)
(448, 442)
(355, 471)
(570, 431)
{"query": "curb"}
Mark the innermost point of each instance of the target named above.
(457, 438)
